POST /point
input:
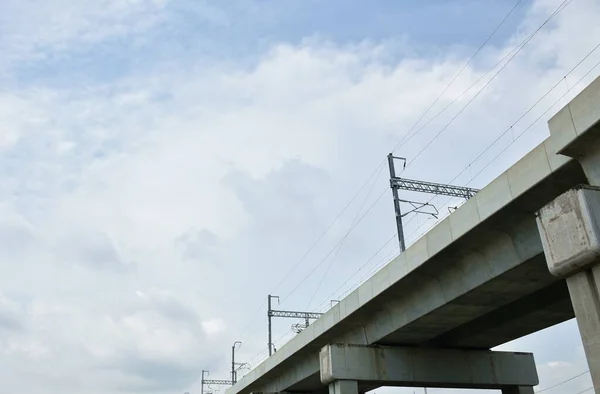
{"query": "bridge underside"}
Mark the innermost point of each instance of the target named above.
(516, 303)
(476, 280)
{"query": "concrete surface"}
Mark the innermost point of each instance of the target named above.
(570, 224)
(570, 230)
(343, 387)
(415, 367)
(584, 287)
(476, 280)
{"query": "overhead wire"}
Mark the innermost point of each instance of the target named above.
(511, 128)
(563, 5)
(531, 125)
(515, 52)
(380, 165)
(482, 77)
(311, 248)
(560, 8)
(519, 48)
(512, 54)
(363, 266)
(343, 240)
(385, 260)
(518, 136)
(485, 42)
(253, 334)
(544, 113)
(495, 30)
(563, 382)
(331, 251)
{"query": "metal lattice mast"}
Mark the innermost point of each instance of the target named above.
(235, 366)
(397, 183)
(297, 328)
(433, 188)
(208, 382)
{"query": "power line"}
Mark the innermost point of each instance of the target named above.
(533, 123)
(426, 111)
(344, 239)
(563, 382)
(523, 132)
(386, 260)
(331, 251)
(466, 64)
(522, 116)
(253, 334)
(526, 112)
(324, 303)
(561, 7)
(382, 262)
(363, 266)
(535, 104)
(377, 168)
(310, 249)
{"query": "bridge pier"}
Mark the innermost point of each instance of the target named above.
(343, 387)
(351, 369)
(569, 225)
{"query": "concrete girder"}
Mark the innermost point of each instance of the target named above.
(379, 310)
(419, 367)
(457, 274)
(301, 370)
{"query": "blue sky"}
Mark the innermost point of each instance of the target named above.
(239, 31)
(166, 163)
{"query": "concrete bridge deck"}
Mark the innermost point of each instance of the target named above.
(478, 279)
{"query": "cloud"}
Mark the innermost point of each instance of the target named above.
(9, 319)
(148, 216)
(199, 244)
(91, 248)
(166, 304)
(40, 29)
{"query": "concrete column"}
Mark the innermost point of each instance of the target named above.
(584, 289)
(570, 230)
(343, 387)
(569, 225)
(518, 390)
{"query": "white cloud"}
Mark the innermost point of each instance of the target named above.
(148, 217)
(40, 29)
(214, 326)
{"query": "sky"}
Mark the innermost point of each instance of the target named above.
(167, 164)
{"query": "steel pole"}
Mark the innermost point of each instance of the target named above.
(233, 364)
(270, 344)
(396, 204)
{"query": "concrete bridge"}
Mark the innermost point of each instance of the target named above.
(518, 257)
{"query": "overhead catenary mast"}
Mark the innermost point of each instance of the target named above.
(297, 328)
(440, 189)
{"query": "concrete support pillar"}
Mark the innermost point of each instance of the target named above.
(518, 390)
(584, 288)
(569, 225)
(343, 387)
(570, 231)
